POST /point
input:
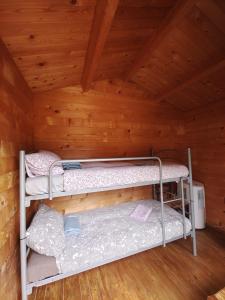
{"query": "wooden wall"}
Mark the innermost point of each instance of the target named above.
(205, 133)
(119, 120)
(101, 123)
(110, 121)
(15, 133)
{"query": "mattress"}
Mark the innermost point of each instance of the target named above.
(39, 185)
(87, 178)
(108, 234)
(40, 267)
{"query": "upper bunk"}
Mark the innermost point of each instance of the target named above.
(81, 176)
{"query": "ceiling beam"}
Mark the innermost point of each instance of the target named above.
(103, 18)
(213, 11)
(153, 42)
(193, 78)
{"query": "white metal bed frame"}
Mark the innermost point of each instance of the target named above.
(26, 288)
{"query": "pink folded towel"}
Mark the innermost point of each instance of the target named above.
(141, 213)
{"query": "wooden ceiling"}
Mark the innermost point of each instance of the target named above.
(174, 49)
(48, 39)
(186, 64)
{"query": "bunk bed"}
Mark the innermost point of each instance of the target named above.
(150, 174)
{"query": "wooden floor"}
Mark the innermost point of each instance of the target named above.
(169, 273)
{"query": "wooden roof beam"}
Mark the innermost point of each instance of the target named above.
(193, 78)
(153, 42)
(103, 18)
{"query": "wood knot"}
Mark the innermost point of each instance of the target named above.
(41, 64)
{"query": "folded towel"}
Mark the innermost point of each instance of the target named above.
(71, 166)
(141, 213)
(71, 224)
(102, 164)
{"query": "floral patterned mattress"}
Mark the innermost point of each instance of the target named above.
(82, 180)
(110, 233)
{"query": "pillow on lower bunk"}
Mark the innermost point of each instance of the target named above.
(46, 235)
(38, 164)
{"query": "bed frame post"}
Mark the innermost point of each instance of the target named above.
(194, 245)
(162, 201)
(153, 186)
(23, 252)
(183, 207)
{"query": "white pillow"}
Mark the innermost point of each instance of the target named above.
(46, 235)
(38, 164)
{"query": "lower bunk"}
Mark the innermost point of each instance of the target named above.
(105, 235)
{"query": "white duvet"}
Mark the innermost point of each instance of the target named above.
(110, 233)
(81, 180)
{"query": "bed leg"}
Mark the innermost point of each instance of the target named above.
(194, 243)
(23, 269)
(23, 248)
(162, 202)
(29, 290)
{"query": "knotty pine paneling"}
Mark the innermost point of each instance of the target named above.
(134, 23)
(105, 122)
(205, 133)
(101, 124)
(94, 200)
(193, 43)
(15, 134)
(50, 52)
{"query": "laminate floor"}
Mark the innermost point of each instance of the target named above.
(170, 273)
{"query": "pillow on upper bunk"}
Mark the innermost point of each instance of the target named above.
(38, 164)
(46, 235)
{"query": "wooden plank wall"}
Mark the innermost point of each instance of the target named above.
(105, 122)
(205, 133)
(15, 133)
